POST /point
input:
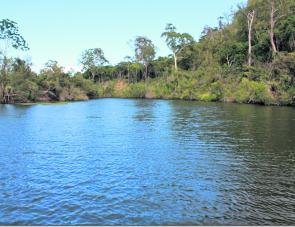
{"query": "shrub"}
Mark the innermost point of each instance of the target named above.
(137, 90)
(253, 92)
(217, 90)
(207, 97)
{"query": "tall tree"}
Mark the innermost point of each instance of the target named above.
(250, 20)
(129, 61)
(272, 26)
(276, 13)
(9, 37)
(176, 41)
(92, 59)
(144, 52)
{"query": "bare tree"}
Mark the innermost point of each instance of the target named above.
(250, 17)
(274, 17)
(272, 26)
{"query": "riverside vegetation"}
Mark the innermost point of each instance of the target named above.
(249, 58)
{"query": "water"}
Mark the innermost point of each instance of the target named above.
(147, 162)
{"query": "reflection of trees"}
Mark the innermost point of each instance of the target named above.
(144, 110)
(194, 120)
(2, 107)
(264, 139)
(252, 147)
(13, 110)
(250, 128)
(262, 129)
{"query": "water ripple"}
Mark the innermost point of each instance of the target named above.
(147, 162)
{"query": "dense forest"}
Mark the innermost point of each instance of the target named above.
(249, 58)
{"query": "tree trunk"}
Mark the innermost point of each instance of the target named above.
(272, 27)
(229, 62)
(128, 75)
(2, 98)
(3, 80)
(175, 62)
(93, 76)
(250, 17)
(146, 72)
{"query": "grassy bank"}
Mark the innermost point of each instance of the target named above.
(188, 86)
(198, 85)
(181, 85)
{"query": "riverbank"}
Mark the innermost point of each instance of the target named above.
(181, 88)
(174, 88)
(181, 85)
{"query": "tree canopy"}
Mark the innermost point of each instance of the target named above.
(176, 41)
(144, 52)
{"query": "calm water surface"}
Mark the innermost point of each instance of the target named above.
(147, 162)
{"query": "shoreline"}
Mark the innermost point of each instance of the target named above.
(134, 98)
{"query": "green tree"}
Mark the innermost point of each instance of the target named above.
(52, 67)
(232, 53)
(23, 82)
(176, 41)
(92, 59)
(144, 52)
(9, 37)
(286, 35)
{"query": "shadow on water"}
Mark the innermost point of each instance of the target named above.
(253, 142)
(145, 109)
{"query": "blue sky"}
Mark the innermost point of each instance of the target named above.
(61, 29)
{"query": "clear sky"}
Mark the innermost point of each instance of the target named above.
(61, 29)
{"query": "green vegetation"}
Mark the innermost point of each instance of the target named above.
(248, 59)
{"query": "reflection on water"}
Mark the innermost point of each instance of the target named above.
(145, 162)
(144, 110)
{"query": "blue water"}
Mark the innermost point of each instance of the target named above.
(146, 162)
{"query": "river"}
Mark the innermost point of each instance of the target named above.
(147, 162)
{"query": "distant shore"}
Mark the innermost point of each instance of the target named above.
(168, 99)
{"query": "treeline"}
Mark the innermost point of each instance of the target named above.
(247, 59)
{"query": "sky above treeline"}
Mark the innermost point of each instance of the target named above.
(61, 29)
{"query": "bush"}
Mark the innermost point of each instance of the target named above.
(253, 92)
(217, 90)
(73, 94)
(207, 97)
(255, 73)
(85, 85)
(137, 90)
(26, 91)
